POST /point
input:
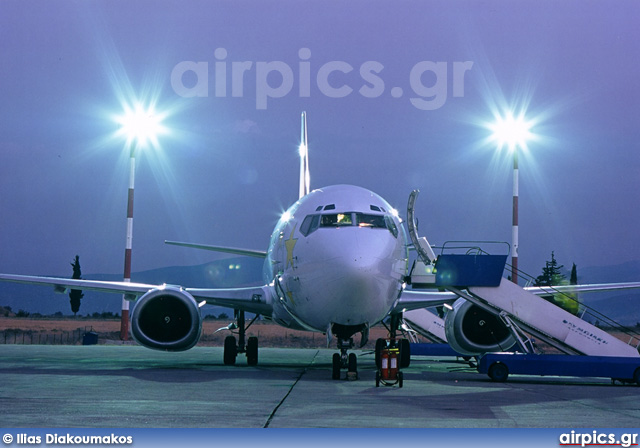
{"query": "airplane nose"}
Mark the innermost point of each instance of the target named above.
(348, 276)
(361, 281)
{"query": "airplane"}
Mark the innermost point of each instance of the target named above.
(337, 263)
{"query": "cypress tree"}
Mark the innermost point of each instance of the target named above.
(75, 295)
(573, 280)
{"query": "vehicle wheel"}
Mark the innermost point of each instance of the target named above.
(377, 378)
(252, 351)
(400, 379)
(230, 350)
(405, 353)
(336, 366)
(636, 376)
(498, 372)
(381, 344)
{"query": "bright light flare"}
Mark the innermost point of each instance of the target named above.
(302, 150)
(141, 124)
(286, 216)
(511, 131)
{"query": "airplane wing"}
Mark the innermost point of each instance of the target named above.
(255, 299)
(550, 290)
(412, 299)
(63, 285)
(227, 250)
(252, 299)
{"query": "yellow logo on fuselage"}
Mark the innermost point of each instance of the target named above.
(290, 244)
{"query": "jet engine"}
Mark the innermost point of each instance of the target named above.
(471, 330)
(166, 318)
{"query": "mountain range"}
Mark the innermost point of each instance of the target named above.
(225, 273)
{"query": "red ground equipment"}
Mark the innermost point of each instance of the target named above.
(388, 363)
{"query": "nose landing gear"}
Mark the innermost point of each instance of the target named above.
(343, 360)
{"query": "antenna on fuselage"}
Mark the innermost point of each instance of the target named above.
(305, 176)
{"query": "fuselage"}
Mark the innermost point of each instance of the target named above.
(337, 259)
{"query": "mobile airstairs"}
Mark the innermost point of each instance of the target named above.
(478, 279)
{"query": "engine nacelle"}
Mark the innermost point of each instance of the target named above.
(167, 318)
(471, 330)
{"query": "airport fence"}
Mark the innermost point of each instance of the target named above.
(79, 336)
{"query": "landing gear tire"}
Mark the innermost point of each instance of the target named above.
(336, 366)
(252, 351)
(377, 378)
(381, 344)
(230, 351)
(353, 364)
(405, 353)
(498, 372)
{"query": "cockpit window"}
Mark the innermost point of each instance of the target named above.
(391, 225)
(312, 222)
(364, 220)
(339, 219)
(309, 224)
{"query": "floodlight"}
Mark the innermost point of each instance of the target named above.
(141, 124)
(511, 131)
(514, 132)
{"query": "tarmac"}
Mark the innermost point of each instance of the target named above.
(118, 386)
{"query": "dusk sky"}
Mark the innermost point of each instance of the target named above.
(398, 96)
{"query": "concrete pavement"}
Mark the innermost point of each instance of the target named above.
(130, 386)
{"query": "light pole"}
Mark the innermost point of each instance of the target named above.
(514, 220)
(139, 125)
(512, 133)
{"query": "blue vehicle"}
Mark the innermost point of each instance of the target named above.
(500, 365)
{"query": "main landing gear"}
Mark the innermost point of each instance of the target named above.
(231, 349)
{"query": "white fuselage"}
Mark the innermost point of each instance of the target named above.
(337, 256)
